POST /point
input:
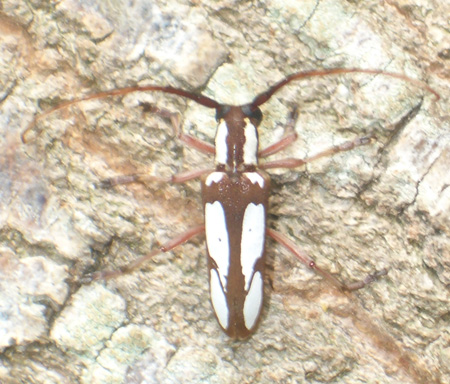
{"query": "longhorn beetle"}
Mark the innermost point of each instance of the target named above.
(235, 200)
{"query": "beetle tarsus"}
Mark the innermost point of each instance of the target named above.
(368, 280)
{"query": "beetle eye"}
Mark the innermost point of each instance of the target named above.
(222, 111)
(252, 113)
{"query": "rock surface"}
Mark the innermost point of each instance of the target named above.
(380, 206)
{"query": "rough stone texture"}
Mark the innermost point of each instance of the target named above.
(384, 205)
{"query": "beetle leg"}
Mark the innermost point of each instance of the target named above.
(306, 259)
(294, 163)
(286, 140)
(136, 264)
(175, 120)
(145, 178)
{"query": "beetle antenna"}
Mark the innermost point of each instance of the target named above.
(200, 99)
(266, 95)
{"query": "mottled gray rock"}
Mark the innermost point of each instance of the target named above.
(384, 205)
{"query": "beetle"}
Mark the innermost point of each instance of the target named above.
(235, 196)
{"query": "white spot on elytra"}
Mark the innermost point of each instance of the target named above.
(252, 241)
(253, 301)
(221, 143)
(218, 299)
(214, 177)
(251, 143)
(217, 239)
(255, 177)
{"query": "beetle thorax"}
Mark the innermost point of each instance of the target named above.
(236, 142)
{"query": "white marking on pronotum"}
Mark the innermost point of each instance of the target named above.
(252, 241)
(251, 143)
(214, 177)
(253, 301)
(221, 143)
(218, 299)
(255, 177)
(217, 239)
